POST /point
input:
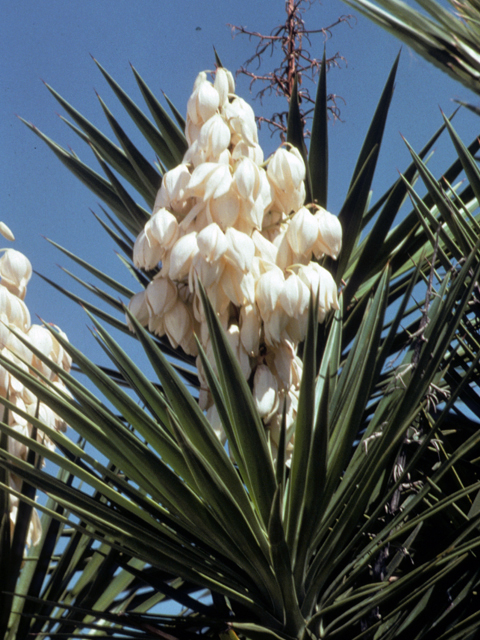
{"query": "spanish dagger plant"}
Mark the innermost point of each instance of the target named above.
(342, 506)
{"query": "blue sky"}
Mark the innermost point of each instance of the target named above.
(169, 43)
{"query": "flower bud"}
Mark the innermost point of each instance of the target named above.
(5, 232)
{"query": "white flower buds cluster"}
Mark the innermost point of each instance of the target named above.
(239, 225)
(15, 272)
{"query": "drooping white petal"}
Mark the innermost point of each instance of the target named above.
(294, 296)
(268, 289)
(160, 297)
(172, 193)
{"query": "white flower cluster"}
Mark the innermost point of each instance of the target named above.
(15, 272)
(236, 223)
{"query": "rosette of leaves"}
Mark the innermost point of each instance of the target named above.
(371, 532)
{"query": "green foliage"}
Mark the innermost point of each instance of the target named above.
(371, 532)
(447, 39)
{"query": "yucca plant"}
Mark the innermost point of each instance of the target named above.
(369, 530)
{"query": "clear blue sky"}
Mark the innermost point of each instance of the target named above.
(169, 43)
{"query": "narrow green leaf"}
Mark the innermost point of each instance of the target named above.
(111, 282)
(90, 178)
(107, 149)
(250, 436)
(318, 154)
(296, 138)
(303, 434)
(146, 173)
(375, 132)
(151, 134)
(172, 134)
(178, 116)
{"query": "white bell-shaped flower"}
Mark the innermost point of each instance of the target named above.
(181, 256)
(172, 193)
(320, 281)
(225, 209)
(252, 151)
(160, 297)
(210, 180)
(204, 101)
(147, 252)
(138, 307)
(250, 329)
(265, 392)
(212, 242)
(178, 324)
(15, 272)
(329, 238)
(302, 232)
(240, 249)
(286, 173)
(214, 138)
(224, 84)
(241, 120)
(41, 339)
(162, 228)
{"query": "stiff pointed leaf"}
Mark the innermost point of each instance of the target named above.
(296, 138)
(303, 433)
(112, 154)
(196, 426)
(111, 282)
(147, 176)
(151, 134)
(250, 435)
(174, 137)
(377, 126)
(138, 215)
(178, 116)
(318, 153)
(468, 161)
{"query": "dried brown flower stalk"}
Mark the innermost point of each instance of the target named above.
(296, 62)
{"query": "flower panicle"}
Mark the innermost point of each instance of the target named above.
(239, 225)
(15, 274)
